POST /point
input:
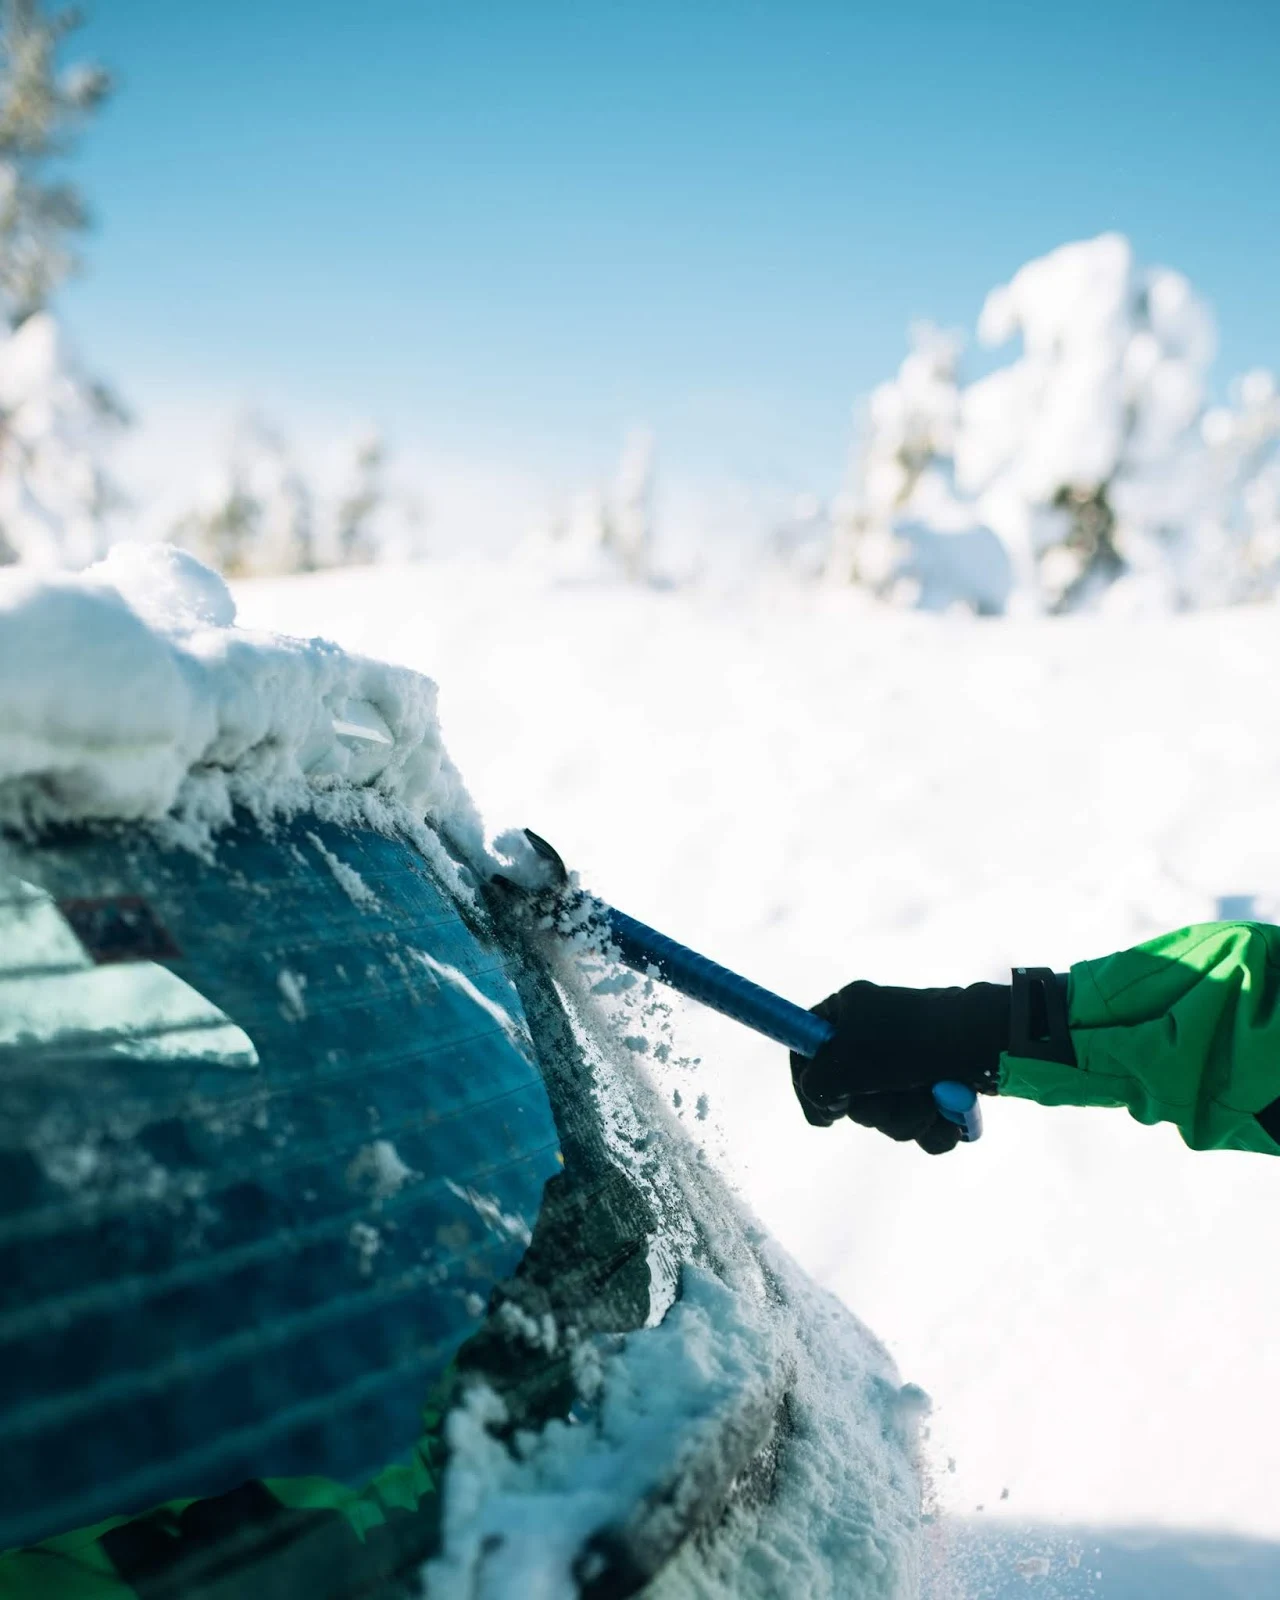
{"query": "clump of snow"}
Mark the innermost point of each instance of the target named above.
(540, 1333)
(365, 1242)
(517, 1524)
(378, 1171)
(504, 1223)
(169, 588)
(127, 691)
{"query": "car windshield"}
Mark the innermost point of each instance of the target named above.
(290, 1144)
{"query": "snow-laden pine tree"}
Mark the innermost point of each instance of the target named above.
(906, 441)
(42, 108)
(260, 511)
(628, 526)
(605, 531)
(55, 493)
(360, 501)
(55, 424)
(1090, 453)
(255, 514)
(1071, 448)
(1234, 551)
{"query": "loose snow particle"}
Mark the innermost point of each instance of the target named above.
(71, 1166)
(540, 1333)
(702, 1107)
(518, 1321)
(677, 1099)
(366, 1241)
(637, 1043)
(506, 1223)
(291, 986)
(618, 984)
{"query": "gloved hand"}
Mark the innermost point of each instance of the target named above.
(891, 1046)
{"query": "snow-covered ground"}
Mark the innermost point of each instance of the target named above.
(812, 790)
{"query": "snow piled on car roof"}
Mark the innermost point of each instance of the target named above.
(127, 691)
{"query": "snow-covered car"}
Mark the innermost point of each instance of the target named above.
(343, 1251)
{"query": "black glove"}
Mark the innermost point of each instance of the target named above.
(892, 1045)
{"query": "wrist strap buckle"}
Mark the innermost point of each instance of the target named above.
(1038, 1028)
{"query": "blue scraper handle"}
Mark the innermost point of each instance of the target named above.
(651, 952)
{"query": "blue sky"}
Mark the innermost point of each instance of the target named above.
(514, 229)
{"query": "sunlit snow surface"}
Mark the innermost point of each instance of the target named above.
(809, 790)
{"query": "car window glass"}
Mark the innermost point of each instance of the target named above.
(52, 994)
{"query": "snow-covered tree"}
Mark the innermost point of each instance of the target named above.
(1067, 447)
(55, 494)
(1234, 553)
(362, 498)
(628, 524)
(55, 423)
(42, 107)
(261, 510)
(256, 512)
(906, 442)
(607, 529)
(801, 536)
(1090, 454)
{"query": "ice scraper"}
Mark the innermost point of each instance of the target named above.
(646, 950)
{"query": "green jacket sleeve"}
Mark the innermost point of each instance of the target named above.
(1182, 1029)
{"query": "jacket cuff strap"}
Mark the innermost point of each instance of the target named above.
(1038, 1028)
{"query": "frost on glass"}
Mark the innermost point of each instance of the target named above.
(53, 998)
